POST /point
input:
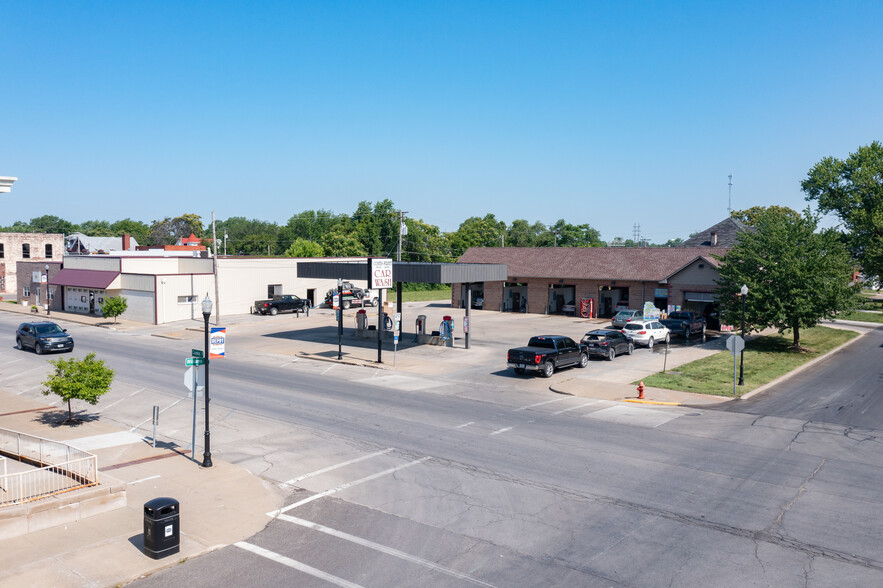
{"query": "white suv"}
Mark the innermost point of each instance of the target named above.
(647, 332)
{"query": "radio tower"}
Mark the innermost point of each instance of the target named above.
(636, 234)
(730, 194)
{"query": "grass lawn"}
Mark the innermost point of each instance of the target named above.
(858, 315)
(422, 295)
(766, 358)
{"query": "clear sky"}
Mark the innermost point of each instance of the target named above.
(606, 113)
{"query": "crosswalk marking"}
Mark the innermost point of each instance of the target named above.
(291, 563)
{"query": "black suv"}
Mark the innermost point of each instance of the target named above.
(43, 337)
(607, 343)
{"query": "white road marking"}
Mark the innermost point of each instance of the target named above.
(19, 374)
(397, 382)
(120, 400)
(13, 361)
(334, 467)
(345, 486)
(503, 430)
(144, 479)
(328, 369)
(541, 403)
(138, 426)
(634, 415)
(301, 567)
(576, 407)
(465, 425)
(103, 441)
(383, 549)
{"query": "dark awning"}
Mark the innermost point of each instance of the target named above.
(79, 278)
(407, 271)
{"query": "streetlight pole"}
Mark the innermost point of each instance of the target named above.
(206, 313)
(48, 299)
(744, 292)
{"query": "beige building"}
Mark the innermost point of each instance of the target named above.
(30, 247)
(170, 286)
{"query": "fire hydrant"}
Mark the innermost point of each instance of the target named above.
(641, 391)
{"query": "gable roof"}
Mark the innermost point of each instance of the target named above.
(646, 264)
(723, 234)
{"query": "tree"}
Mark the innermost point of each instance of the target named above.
(303, 248)
(169, 230)
(749, 215)
(137, 229)
(309, 225)
(250, 237)
(377, 228)
(51, 224)
(565, 234)
(114, 307)
(78, 379)
(96, 228)
(339, 243)
(853, 190)
(477, 232)
(795, 276)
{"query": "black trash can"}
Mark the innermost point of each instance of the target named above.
(162, 527)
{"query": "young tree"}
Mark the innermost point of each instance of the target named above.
(853, 189)
(795, 276)
(303, 248)
(79, 379)
(114, 307)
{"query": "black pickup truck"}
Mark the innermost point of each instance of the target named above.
(547, 353)
(283, 303)
(685, 323)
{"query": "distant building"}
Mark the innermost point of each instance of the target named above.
(36, 247)
(723, 234)
(80, 244)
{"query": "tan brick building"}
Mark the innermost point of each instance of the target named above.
(31, 247)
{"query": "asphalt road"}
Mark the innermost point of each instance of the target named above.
(847, 389)
(396, 479)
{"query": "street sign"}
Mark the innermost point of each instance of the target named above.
(194, 361)
(200, 378)
(196, 353)
(735, 344)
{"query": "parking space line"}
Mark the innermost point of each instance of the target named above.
(337, 489)
(383, 549)
(503, 430)
(576, 407)
(138, 426)
(334, 467)
(294, 564)
(540, 403)
(144, 479)
(120, 400)
(20, 374)
(465, 425)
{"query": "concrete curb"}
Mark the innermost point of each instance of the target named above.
(798, 369)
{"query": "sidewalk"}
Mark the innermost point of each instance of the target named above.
(218, 505)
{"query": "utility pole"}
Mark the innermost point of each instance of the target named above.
(215, 266)
(730, 194)
(402, 226)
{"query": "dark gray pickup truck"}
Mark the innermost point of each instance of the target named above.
(283, 303)
(684, 323)
(547, 353)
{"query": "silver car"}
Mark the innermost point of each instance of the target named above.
(647, 332)
(623, 317)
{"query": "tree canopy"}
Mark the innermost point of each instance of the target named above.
(795, 275)
(84, 379)
(852, 188)
(114, 307)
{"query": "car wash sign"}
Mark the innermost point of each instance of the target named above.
(381, 273)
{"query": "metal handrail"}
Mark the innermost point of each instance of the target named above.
(62, 468)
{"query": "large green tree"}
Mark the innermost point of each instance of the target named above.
(249, 236)
(852, 188)
(137, 229)
(340, 243)
(304, 248)
(478, 232)
(749, 215)
(795, 275)
(169, 230)
(52, 224)
(377, 227)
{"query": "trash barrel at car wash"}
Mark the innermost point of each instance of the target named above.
(162, 527)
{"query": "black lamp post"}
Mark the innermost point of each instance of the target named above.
(744, 292)
(48, 299)
(207, 453)
(339, 318)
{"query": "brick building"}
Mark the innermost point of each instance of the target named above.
(30, 247)
(555, 280)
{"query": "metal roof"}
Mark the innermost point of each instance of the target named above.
(407, 271)
(79, 278)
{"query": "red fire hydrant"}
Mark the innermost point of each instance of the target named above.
(641, 391)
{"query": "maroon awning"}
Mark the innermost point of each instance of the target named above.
(79, 278)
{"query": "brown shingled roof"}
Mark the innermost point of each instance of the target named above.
(650, 264)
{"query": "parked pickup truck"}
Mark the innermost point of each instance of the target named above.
(547, 353)
(685, 323)
(283, 303)
(352, 296)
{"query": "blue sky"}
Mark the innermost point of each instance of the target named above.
(606, 113)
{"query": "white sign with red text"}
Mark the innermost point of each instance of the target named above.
(381, 274)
